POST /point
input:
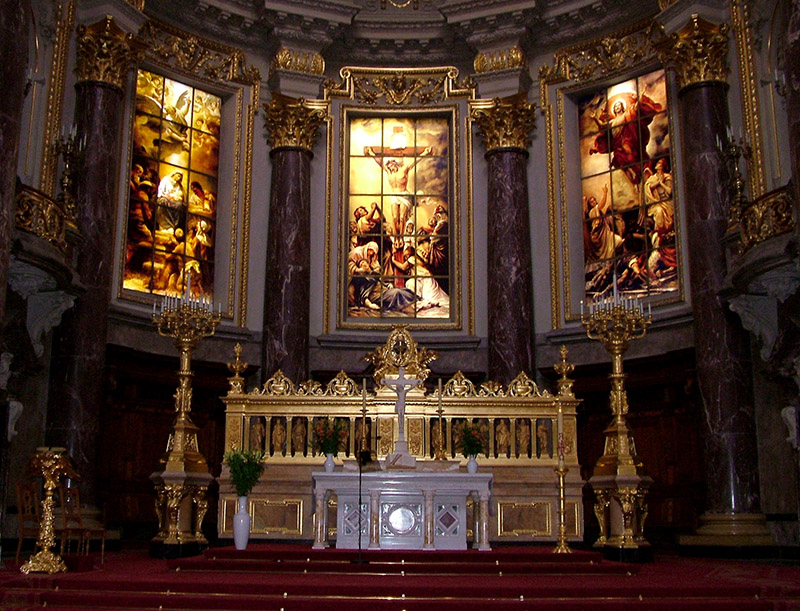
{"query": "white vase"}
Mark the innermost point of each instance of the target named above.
(472, 464)
(329, 464)
(241, 524)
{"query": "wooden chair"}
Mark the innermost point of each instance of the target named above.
(27, 513)
(73, 525)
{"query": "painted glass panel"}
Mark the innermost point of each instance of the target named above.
(627, 189)
(172, 202)
(398, 209)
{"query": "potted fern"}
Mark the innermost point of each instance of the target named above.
(245, 468)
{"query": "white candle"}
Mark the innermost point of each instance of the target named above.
(364, 394)
(189, 284)
(440, 395)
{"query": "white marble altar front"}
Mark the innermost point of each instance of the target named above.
(403, 509)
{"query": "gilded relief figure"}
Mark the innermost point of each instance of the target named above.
(502, 436)
(278, 436)
(523, 437)
(543, 437)
(258, 431)
(299, 436)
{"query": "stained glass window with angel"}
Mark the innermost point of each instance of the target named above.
(172, 200)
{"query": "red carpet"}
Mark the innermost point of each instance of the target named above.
(294, 577)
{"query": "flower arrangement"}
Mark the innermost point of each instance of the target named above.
(246, 468)
(328, 434)
(473, 440)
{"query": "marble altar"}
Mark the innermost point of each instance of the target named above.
(402, 509)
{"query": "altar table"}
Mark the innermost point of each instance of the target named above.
(402, 509)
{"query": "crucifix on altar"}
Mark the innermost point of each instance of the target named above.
(400, 458)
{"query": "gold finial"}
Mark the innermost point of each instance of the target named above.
(564, 368)
(236, 367)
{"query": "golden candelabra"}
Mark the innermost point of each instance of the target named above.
(53, 464)
(181, 501)
(71, 151)
(618, 476)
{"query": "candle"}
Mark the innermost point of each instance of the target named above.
(440, 396)
(364, 394)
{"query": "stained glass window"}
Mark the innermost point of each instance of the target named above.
(627, 189)
(398, 211)
(172, 202)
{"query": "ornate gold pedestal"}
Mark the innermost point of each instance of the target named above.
(53, 464)
(182, 485)
(620, 480)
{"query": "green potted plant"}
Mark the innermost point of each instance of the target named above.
(328, 434)
(245, 468)
(473, 443)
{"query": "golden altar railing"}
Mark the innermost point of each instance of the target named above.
(520, 422)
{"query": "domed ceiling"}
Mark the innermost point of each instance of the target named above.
(400, 32)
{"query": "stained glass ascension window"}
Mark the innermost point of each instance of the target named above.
(398, 211)
(627, 189)
(172, 201)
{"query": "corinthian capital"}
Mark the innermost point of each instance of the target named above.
(697, 52)
(294, 122)
(105, 53)
(505, 122)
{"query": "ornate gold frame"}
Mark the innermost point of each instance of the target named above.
(577, 69)
(177, 53)
(387, 92)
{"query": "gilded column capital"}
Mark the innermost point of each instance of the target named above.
(105, 53)
(697, 52)
(294, 121)
(504, 122)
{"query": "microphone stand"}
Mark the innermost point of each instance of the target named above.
(363, 458)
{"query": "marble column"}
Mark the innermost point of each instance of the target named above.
(14, 51)
(293, 127)
(78, 360)
(733, 514)
(505, 126)
(792, 72)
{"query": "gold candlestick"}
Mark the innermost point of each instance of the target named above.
(181, 501)
(619, 476)
(561, 545)
(71, 151)
(53, 465)
(363, 445)
(439, 453)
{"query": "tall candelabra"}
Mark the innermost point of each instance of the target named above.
(619, 476)
(181, 487)
(53, 464)
(70, 148)
(187, 320)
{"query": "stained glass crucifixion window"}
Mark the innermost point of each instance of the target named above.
(398, 207)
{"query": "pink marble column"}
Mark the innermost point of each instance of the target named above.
(509, 289)
(287, 286)
(721, 344)
(14, 51)
(78, 364)
(792, 71)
